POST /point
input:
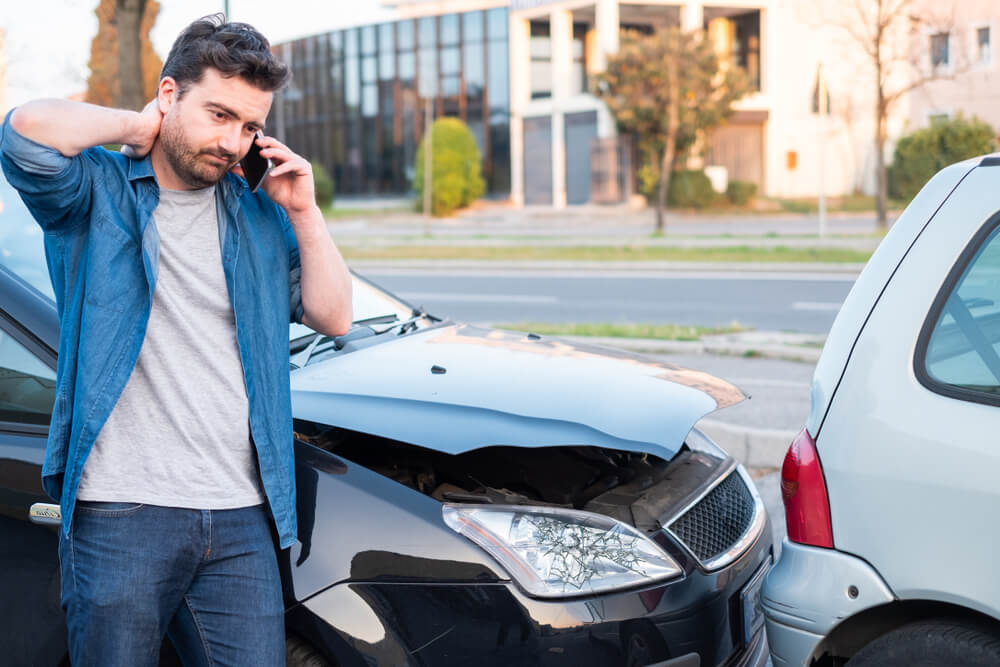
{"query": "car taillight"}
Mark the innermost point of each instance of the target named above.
(803, 488)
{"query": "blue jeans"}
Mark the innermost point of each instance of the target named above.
(208, 579)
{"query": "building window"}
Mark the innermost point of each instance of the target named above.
(428, 74)
(735, 34)
(497, 155)
(496, 23)
(578, 73)
(940, 56)
(449, 30)
(984, 54)
(357, 98)
(541, 60)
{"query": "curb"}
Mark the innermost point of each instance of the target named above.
(753, 447)
(759, 346)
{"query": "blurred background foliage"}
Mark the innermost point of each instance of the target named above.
(921, 154)
(456, 174)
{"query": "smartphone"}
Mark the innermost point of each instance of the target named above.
(255, 167)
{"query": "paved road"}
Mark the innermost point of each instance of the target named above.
(805, 302)
(778, 389)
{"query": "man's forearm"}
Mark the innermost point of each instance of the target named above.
(72, 127)
(325, 281)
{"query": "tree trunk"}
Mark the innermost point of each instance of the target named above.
(881, 180)
(666, 166)
(129, 18)
(670, 149)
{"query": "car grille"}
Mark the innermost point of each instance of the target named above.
(718, 520)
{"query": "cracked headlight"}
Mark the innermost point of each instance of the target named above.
(553, 552)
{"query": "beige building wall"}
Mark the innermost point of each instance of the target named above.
(973, 86)
(797, 37)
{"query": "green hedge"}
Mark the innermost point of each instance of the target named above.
(690, 189)
(923, 153)
(456, 176)
(741, 192)
(322, 183)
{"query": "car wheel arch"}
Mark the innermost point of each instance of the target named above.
(852, 634)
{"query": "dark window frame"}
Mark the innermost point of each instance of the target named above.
(533, 26)
(9, 326)
(940, 48)
(984, 48)
(955, 276)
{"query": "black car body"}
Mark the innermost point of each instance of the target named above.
(412, 434)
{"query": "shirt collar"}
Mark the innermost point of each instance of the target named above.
(142, 168)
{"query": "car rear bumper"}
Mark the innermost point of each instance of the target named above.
(811, 590)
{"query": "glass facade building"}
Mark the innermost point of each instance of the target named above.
(358, 97)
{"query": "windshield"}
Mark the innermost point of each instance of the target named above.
(21, 241)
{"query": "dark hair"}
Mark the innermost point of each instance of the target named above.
(235, 49)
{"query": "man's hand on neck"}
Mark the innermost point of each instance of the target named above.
(144, 131)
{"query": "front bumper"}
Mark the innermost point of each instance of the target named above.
(809, 592)
(496, 624)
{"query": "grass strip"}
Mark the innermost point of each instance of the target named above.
(739, 253)
(331, 213)
(608, 330)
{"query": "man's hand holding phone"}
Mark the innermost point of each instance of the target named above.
(254, 166)
(289, 181)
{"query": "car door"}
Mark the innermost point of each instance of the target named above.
(32, 625)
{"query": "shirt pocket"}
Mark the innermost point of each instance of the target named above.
(115, 273)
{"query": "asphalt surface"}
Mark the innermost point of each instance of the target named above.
(802, 302)
(778, 389)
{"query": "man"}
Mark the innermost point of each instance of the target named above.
(170, 447)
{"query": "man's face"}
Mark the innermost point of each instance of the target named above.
(206, 131)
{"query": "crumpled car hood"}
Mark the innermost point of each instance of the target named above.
(506, 388)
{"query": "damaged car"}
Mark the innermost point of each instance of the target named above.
(466, 496)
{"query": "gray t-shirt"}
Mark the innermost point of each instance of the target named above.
(179, 435)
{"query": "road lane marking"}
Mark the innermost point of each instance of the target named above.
(816, 305)
(455, 297)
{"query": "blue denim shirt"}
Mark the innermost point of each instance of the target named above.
(102, 249)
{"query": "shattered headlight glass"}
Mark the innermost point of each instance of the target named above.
(554, 552)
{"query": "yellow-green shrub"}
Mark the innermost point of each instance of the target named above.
(456, 174)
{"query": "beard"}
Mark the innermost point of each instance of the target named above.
(192, 166)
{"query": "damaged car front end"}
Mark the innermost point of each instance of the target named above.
(475, 496)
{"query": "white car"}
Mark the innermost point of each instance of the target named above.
(892, 491)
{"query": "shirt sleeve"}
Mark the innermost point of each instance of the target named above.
(55, 188)
(295, 308)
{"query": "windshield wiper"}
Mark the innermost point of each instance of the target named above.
(359, 329)
(302, 358)
(380, 319)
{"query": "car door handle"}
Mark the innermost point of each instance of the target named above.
(45, 514)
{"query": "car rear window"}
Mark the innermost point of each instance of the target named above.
(959, 354)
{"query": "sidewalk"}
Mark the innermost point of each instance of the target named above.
(801, 347)
(596, 223)
(818, 270)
